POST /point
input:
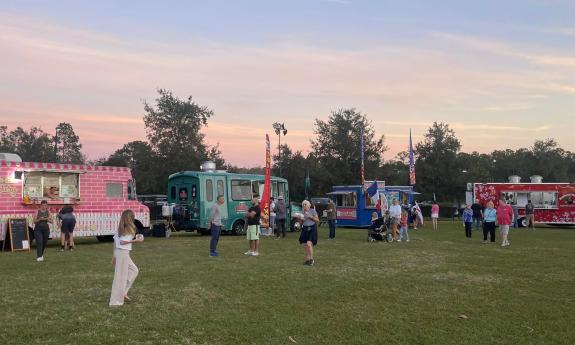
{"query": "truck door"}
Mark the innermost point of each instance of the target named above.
(221, 190)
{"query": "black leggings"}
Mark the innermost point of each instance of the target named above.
(489, 228)
(281, 227)
(468, 229)
(41, 235)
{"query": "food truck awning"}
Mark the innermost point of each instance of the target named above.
(339, 192)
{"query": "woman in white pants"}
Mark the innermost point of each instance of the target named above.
(125, 271)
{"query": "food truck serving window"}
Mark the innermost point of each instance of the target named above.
(241, 189)
(544, 199)
(346, 200)
(51, 185)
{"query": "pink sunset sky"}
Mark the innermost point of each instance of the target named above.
(495, 90)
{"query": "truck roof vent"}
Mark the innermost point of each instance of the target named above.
(208, 166)
(10, 157)
(514, 179)
(536, 179)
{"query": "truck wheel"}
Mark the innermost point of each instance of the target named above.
(107, 238)
(238, 228)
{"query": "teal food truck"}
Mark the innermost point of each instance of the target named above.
(191, 195)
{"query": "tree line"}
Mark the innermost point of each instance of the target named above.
(175, 143)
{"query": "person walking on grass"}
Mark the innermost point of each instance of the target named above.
(489, 218)
(530, 215)
(515, 209)
(477, 214)
(281, 213)
(467, 220)
(331, 218)
(253, 233)
(308, 235)
(272, 225)
(395, 217)
(403, 227)
(125, 271)
(42, 221)
(67, 224)
(504, 219)
(434, 215)
(215, 221)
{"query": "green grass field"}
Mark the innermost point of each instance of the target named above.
(358, 292)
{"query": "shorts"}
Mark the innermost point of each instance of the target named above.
(253, 233)
(504, 229)
(435, 215)
(68, 226)
(394, 221)
(308, 234)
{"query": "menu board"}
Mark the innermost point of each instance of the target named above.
(17, 235)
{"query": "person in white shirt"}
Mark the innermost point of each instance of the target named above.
(395, 217)
(272, 217)
(125, 271)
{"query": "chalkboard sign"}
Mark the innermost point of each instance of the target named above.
(17, 235)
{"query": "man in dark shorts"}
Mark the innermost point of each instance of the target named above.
(67, 225)
(253, 231)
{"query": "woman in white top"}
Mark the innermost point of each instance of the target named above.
(125, 271)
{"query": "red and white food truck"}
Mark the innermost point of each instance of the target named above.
(554, 202)
(98, 194)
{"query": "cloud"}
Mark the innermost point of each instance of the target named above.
(96, 81)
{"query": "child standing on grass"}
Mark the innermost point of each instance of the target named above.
(125, 271)
(467, 220)
(403, 226)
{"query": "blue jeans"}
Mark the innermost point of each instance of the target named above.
(215, 230)
(331, 223)
(477, 222)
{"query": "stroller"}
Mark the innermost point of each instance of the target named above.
(380, 230)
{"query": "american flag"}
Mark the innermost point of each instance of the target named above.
(411, 162)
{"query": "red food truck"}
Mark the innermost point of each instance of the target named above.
(554, 202)
(98, 194)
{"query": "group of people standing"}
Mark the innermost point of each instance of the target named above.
(505, 215)
(65, 220)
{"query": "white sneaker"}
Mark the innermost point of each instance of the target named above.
(249, 252)
(407, 240)
(40, 259)
(255, 253)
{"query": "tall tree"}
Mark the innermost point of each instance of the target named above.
(141, 159)
(6, 144)
(293, 169)
(337, 149)
(32, 146)
(436, 164)
(173, 128)
(68, 147)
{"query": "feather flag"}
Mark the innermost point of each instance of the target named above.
(265, 204)
(411, 162)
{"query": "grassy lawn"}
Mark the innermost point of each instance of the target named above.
(358, 292)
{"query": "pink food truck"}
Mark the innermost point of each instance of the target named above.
(98, 195)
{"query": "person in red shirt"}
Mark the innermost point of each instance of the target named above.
(504, 219)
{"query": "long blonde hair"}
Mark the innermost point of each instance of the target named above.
(126, 225)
